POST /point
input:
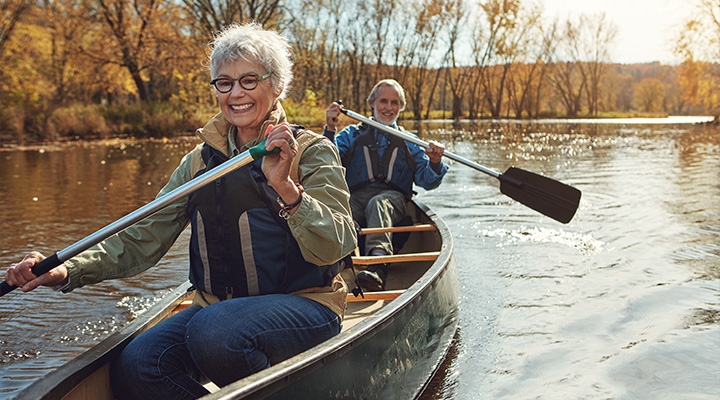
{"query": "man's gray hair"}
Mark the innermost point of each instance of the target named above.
(392, 83)
(253, 43)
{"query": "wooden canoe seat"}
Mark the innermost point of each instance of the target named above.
(395, 258)
(397, 229)
(388, 295)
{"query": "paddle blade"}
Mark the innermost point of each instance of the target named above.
(544, 195)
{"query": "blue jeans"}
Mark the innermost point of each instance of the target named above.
(222, 342)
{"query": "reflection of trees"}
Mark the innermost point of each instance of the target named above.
(444, 380)
(704, 317)
(79, 189)
(697, 153)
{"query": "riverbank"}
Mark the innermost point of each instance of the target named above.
(159, 121)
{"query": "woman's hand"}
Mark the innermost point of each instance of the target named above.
(276, 167)
(21, 274)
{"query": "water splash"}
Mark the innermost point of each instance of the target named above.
(585, 243)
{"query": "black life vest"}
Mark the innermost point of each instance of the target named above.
(239, 245)
(365, 164)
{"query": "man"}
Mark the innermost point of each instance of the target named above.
(381, 170)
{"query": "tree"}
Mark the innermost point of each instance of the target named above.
(456, 78)
(211, 16)
(11, 11)
(544, 58)
(428, 19)
(597, 34)
(650, 95)
(143, 38)
(566, 79)
(698, 44)
(526, 62)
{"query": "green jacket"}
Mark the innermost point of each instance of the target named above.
(322, 224)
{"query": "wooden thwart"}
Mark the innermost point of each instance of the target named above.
(394, 229)
(410, 257)
(388, 295)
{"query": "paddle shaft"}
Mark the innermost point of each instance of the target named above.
(145, 211)
(414, 139)
(545, 195)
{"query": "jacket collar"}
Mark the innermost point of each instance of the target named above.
(215, 133)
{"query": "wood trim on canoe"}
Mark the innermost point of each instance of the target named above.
(395, 229)
(387, 295)
(394, 258)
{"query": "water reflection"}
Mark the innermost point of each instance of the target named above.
(608, 305)
(51, 197)
(619, 303)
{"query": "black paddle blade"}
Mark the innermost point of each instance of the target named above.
(544, 195)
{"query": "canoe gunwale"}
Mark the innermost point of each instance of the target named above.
(58, 383)
(407, 306)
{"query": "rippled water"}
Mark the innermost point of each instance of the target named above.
(622, 302)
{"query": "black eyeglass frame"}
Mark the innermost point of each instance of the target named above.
(258, 79)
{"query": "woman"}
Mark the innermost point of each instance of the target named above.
(264, 250)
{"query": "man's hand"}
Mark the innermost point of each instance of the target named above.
(331, 116)
(435, 152)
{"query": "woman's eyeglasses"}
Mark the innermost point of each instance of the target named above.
(247, 82)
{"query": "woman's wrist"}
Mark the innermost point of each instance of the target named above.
(288, 208)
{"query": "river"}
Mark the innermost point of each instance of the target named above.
(621, 303)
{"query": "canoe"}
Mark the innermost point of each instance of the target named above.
(390, 346)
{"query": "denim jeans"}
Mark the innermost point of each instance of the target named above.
(222, 342)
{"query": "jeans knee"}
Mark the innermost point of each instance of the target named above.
(206, 340)
(127, 374)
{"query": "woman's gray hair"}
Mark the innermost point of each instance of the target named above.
(392, 83)
(252, 42)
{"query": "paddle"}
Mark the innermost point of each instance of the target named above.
(544, 195)
(145, 211)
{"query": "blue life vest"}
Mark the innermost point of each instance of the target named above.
(369, 164)
(239, 245)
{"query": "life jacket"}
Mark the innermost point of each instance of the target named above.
(365, 164)
(239, 245)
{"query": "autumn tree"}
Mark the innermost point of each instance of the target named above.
(526, 63)
(211, 16)
(698, 44)
(315, 47)
(143, 37)
(544, 59)
(567, 78)
(11, 11)
(455, 76)
(597, 34)
(428, 18)
(650, 95)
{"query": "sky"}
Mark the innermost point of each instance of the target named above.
(646, 28)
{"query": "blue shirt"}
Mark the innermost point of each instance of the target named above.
(427, 175)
